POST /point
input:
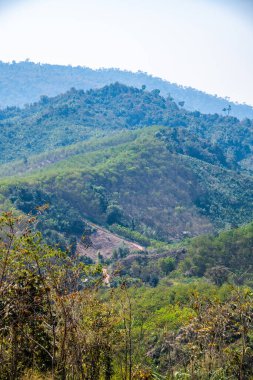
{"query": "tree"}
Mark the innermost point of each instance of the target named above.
(114, 214)
(50, 316)
(167, 265)
(217, 341)
(218, 274)
(227, 109)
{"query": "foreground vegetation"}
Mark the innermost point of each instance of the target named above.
(59, 319)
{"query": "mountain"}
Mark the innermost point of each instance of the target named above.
(132, 183)
(97, 156)
(77, 116)
(24, 82)
(158, 196)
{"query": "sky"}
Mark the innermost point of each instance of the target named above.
(205, 44)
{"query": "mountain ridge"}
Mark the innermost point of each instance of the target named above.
(77, 116)
(25, 82)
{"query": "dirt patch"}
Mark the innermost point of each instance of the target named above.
(104, 242)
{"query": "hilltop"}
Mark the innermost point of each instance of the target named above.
(78, 116)
(24, 82)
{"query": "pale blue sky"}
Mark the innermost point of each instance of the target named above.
(206, 44)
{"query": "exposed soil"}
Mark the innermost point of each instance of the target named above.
(104, 242)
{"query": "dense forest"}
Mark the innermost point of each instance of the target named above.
(77, 116)
(97, 156)
(112, 180)
(24, 82)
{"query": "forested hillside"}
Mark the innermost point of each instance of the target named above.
(25, 82)
(96, 156)
(173, 299)
(139, 180)
(126, 200)
(77, 115)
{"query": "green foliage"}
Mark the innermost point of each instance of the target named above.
(131, 234)
(57, 219)
(77, 116)
(228, 255)
(95, 159)
(113, 214)
(151, 184)
(120, 252)
(42, 292)
(167, 265)
(134, 180)
(58, 318)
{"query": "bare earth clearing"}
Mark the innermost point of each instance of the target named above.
(104, 242)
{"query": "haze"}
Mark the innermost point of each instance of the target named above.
(199, 43)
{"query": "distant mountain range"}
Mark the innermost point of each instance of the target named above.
(24, 82)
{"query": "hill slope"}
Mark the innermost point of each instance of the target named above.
(96, 156)
(77, 116)
(25, 82)
(134, 183)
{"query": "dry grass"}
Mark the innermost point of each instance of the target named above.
(34, 375)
